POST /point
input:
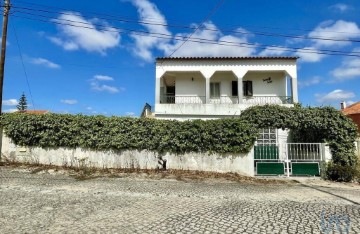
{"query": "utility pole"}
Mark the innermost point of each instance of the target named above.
(2, 61)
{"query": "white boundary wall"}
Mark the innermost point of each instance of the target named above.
(241, 163)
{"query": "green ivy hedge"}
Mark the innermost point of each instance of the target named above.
(120, 133)
(310, 124)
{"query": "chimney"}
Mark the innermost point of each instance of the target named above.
(342, 105)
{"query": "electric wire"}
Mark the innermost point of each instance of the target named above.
(197, 40)
(243, 32)
(200, 25)
(23, 65)
(131, 19)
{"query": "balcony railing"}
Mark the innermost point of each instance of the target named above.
(267, 100)
(171, 99)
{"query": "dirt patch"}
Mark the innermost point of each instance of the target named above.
(86, 173)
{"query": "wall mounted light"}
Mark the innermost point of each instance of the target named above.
(192, 78)
(268, 80)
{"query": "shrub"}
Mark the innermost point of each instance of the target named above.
(121, 133)
(341, 173)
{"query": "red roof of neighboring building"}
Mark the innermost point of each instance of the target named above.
(227, 58)
(36, 112)
(352, 109)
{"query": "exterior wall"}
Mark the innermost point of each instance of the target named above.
(356, 119)
(204, 72)
(185, 86)
(260, 88)
(242, 163)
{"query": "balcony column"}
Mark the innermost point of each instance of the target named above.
(207, 90)
(207, 75)
(240, 75)
(294, 90)
(158, 75)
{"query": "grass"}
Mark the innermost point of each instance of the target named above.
(85, 173)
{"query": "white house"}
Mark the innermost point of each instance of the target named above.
(208, 87)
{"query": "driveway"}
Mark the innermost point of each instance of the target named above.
(48, 202)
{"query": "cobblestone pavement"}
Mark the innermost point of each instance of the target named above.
(56, 203)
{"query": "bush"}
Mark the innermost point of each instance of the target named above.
(310, 124)
(341, 173)
(122, 133)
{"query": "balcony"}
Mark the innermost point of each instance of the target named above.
(171, 99)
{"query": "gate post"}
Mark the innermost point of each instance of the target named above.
(287, 161)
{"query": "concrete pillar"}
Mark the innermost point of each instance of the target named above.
(294, 90)
(240, 75)
(159, 73)
(207, 74)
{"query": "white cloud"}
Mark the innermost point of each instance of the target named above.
(273, 51)
(144, 44)
(313, 81)
(223, 45)
(309, 54)
(340, 7)
(103, 78)
(335, 30)
(44, 62)
(69, 101)
(101, 87)
(86, 35)
(10, 102)
(349, 69)
(10, 110)
(130, 114)
(336, 95)
(350, 102)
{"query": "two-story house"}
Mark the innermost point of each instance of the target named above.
(219, 87)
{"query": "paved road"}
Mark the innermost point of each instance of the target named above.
(55, 203)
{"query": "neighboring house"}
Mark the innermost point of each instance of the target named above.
(146, 112)
(36, 112)
(219, 87)
(353, 112)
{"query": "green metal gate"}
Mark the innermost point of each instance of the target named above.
(288, 159)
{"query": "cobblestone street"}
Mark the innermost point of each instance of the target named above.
(57, 203)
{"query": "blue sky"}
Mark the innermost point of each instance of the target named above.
(105, 65)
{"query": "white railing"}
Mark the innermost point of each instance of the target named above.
(289, 151)
(267, 100)
(171, 99)
(176, 99)
(305, 152)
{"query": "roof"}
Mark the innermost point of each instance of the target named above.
(226, 58)
(36, 112)
(352, 109)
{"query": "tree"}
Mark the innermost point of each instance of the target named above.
(22, 106)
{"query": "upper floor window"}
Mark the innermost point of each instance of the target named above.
(214, 90)
(247, 88)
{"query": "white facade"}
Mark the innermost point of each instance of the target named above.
(206, 88)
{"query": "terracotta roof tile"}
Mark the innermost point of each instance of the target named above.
(227, 58)
(352, 109)
(36, 112)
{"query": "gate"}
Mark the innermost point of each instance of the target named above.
(288, 159)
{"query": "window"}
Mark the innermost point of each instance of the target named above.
(267, 136)
(214, 90)
(247, 88)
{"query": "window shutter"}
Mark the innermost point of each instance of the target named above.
(234, 88)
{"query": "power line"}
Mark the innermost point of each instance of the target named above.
(200, 25)
(198, 40)
(23, 65)
(158, 22)
(259, 33)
